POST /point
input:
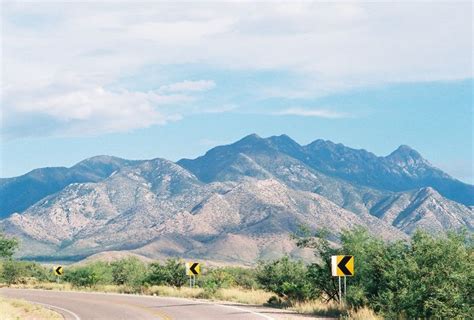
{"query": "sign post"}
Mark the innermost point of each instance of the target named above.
(192, 270)
(58, 271)
(342, 266)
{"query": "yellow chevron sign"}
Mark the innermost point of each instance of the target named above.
(193, 268)
(58, 270)
(342, 266)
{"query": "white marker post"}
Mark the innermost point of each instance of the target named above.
(342, 266)
(340, 291)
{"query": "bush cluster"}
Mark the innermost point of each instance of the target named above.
(424, 277)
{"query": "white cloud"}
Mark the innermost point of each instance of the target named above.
(319, 113)
(57, 57)
(185, 86)
(97, 110)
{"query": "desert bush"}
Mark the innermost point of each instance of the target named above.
(428, 276)
(103, 272)
(12, 271)
(129, 271)
(216, 278)
(82, 277)
(7, 246)
(243, 277)
(288, 279)
(37, 271)
(171, 273)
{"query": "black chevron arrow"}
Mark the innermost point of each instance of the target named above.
(342, 265)
(59, 270)
(193, 266)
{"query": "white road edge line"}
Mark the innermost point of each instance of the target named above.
(246, 310)
(50, 306)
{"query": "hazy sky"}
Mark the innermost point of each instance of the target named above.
(171, 80)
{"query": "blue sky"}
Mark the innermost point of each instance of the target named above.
(173, 80)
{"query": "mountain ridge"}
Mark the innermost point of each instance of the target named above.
(251, 194)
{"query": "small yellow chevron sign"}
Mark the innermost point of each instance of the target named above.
(193, 268)
(58, 270)
(342, 266)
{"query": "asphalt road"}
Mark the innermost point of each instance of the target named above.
(82, 306)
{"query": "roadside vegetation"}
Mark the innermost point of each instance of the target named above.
(426, 277)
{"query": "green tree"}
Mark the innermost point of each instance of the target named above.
(288, 279)
(425, 277)
(172, 273)
(7, 246)
(319, 274)
(242, 277)
(82, 277)
(12, 271)
(129, 271)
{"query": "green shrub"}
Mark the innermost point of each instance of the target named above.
(37, 271)
(7, 246)
(82, 277)
(172, 273)
(216, 278)
(12, 271)
(243, 277)
(129, 271)
(102, 271)
(426, 277)
(288, 279)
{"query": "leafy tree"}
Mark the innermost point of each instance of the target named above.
(288, 279)
(12, 271)
(242, 277)
(172, 273)
(319, 274)
(103, 271)
(215, 279)
(7, 246)
(425, 277)
(129, 271)
(37, 271)
(82, 277)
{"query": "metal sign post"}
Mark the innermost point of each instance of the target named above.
(340, 293)
(192, 270)
(342, 266)
(58, 271)
(345, 287)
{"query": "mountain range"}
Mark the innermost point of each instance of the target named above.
(236, 203)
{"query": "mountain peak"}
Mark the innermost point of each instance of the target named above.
(252, 141)
(282, 140)
(404, 149)
(100, 159)
(404, 153)
(251, 137)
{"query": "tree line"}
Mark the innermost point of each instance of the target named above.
(424, 277)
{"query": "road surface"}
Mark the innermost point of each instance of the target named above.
(85, 306)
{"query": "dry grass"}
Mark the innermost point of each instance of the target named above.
(363, 314)
(335, 310)
(258, 297)
(319, 308)
(14, 309)
(183, 292)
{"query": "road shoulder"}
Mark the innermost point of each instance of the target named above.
(12, 309)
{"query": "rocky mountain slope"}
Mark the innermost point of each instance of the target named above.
(404, 169)
(236, 203)
(17, 194)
